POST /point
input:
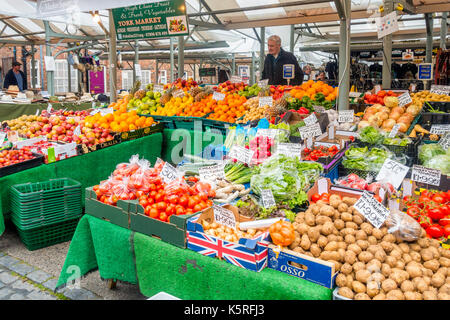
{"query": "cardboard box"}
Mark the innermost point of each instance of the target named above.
(302, 266)
(83, 149)
(139, 133)
(250, 254)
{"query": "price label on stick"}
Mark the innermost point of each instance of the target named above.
(290, 149)
(404, 99)
(212, 172)
(218, 96)
(263, 83)
(267, 198)
(178, 93)
(407, 187)
(394, 131)
(439, 129)
(236, 79)
(158, 88)
(310, 120)
(169, 173)
(371, 209)
(426, 175)
(346, 116)
(224, 216)
(241, 154)
(392, 172)
(265, 101)
(445, 141)
(310, 131)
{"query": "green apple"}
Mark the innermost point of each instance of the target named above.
(145, 99)
(145, 107)
(158, 99)
(157, 95)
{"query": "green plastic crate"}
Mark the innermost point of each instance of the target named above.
(42, 237)
(45, 189)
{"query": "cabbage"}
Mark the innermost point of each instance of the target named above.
(429, 151)
(440, 162)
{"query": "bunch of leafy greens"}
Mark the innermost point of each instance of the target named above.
(364, 159)
(429, 151)
(403, 142)
(371, 135)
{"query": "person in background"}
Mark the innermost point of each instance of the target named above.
(273, 64)
(307, 72)
(321, 76)
(15, 77)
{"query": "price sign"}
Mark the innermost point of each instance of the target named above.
(49, 108)
(77, 131)
(377, 88)
(267, 198)
(371, 209)
(322, 186)
(265, 101)
(94, 112)
(224, 216)
(392, 172)
(407, 187)
(212, 172)
(290, 149)
(169, 173)
(271, 133)
(426, 175)
(288, 71)
(319, 109)
(241, 154)
(158, 88)
(2, 137)
(310, 131)
(441, 90)
(346, 116)
(445, 141)
(106, 111)
(13, 136)
(394, 131)
(404, 99)
(331, 132)
(178, 93)
(236, 79)
(310, 120)
(439, 129)
(309, 142)
(37, 112)
(263, 83)
(218, 96)
(354, 94)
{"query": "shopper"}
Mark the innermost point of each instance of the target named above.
(274, 62)
(15, 77)
(321, 76)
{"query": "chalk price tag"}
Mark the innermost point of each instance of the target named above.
(169, 173)
(267, 198)
(404, 99)
(218, 96)
(236, 79)
(212, 172)
(178, 93)
(263, 83)
(371, 209)
(426, 175)
(346, 116)
(439, 129)
(310, 131)
(158, 88)
(394, 131)
(445, 141)
(265, 101)
(392, 172)
(290, 149)
(310, 120)
(224, 216)
(241, 154)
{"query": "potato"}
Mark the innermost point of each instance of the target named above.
(386, 269)
(384, 230)
(310, 219)
(362, 296)
(367, 228)
(346, 268)
(348, 231)
(435, 243)
(389, 238)
(350, 278)
(415, 256)
(365, 256)
(380, 296)
(350, 257)
(443, 270)
(435, 251)
(362, 244)
(313, 234)
(350, 239)
(374, 265)
(387, 246)
(335, 200)
(327, 210)
(302, 228)
(406, 258)
(380, 255)
(372, 240)
(341, 280)
(342, 207)
(399, 276)
(349, 201)
(339, 238)
(358, 287)
(433, 265)
(332, 237)
(395, 295)
(346, 292)
(347, 217)
(423, 243)
(391, 261)
(342, 245)
(296, 241)
(444, 253)
(438, 280)
(305, 243)
(414, 271)
(327, 228)
(445, 262)
(420, 285)
(359, 266)
(322, 219)
(351, 224)
(353, 247)
(377, 233)
(400, 265)
(361, 235)
(331, 246)
(299, 250)
(315, 209)
(429, 295)
(404, 247)
(414, 247)
(337, 265)
(443, 296)
(337, 215)
(315, 250)
(409, 295)
(445, 288)
(322, 241)
(362, 275)
(426, 254)
(388, 285)
(372, 248)
(426, 272)
(358, 219)
(377, 276)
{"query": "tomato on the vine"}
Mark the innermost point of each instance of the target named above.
(413, 212)
(435, 231)
(315, 197)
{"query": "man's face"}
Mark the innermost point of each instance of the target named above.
(16, 68)
(273, 47)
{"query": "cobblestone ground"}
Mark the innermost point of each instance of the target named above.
(20, 281)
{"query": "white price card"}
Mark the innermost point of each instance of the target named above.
(310, 120)
(224, 216)
(404, 99)
(407, 187)
(158, 88)
(263, 83)
(212, 172)
(352, 94)
(387, 24)
(377, 88)
(345, 116)
(241, 154)
(392, 172)
(309, 142)
(371, 209)
(37, 112)
(49, 108)
(322, 186)
(77, 131)
(236, 79)
(218, 96)
(265, 101)
(94, 112)
(271, 133)
(290, 149)
(445, 141)
(2, 137)
(426, 175)
(331, 132)
(178, 93)
(13, 136)
(310, 131)
(394, 131)
(439, 129)
(267, 198)
(106, 111)
(319, 109)
(169, 173)
(439, 89)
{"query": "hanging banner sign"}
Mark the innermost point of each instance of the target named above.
(152, 20)
(425, 71)
(387, 24)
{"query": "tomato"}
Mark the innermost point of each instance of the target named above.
(191, 203)
(170, 210)
(447, 230)
(143, 202)
(179, 211)
(378, 198)
(154, 213)
(325, 197)
(147, 210)
(413, 212)
(424, 222)
(197, 208)
(444, 221)
(152, 186)
(438, 199)
(161, 206)
(159, 197)
(173, 199)
(435, 214)
(435, 231)
(203, 196)
(163, 216)
(183, 201)
(211, 194)
(153, 194)
(315, 197)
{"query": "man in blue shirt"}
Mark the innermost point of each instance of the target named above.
(15, 77)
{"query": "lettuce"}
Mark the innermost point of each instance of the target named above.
(371, 135)
(429, 151)
(440, 162)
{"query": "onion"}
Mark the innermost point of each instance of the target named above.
(395, 115)
(382, 115)
(390, 101)
(403, 127)
(362, 124)
(385, 109)
(371, 109)
(413, 109)
(400, 110)
(388, 124)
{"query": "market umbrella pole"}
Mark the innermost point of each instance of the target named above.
(112, 59)
(344, 56)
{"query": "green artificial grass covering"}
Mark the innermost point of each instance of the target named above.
(103, 245)
(9, 111)
(88, 169)
(189, 275)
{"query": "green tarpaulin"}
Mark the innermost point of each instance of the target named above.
(14, 110)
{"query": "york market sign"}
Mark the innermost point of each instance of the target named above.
(152, 20)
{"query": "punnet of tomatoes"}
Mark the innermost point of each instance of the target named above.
(319, 152)
(379, 97)
(432, 210)
(9, 157)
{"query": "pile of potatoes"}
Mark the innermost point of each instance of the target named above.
(254, 112)
(372, 263)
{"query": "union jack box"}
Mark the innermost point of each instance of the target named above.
(249, 254)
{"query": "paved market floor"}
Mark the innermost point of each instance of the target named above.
(32, 275)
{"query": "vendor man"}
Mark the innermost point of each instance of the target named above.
(15, 77)
(273, 65)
